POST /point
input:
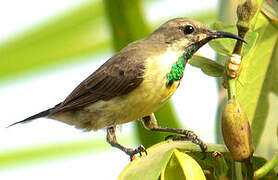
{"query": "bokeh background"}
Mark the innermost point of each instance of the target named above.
(48, 47)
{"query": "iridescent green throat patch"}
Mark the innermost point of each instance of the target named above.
(178, 68)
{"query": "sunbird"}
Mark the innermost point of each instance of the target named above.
(136, 82)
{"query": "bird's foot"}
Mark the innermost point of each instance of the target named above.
(132, 152)
(189, 136)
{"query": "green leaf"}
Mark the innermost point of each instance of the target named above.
(173, 169)
(182, 166)
(190, 167)
(269, 144)
(273, 69)
(150, 166)
(211, 164)
(253, 75)
(266, 112)
(207, 65)
(225, 46)
(166, 160)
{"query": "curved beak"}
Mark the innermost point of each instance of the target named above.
(222, 34)
(207, 35)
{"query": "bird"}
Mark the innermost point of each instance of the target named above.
(135, 83)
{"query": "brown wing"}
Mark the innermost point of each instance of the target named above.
(118, 76)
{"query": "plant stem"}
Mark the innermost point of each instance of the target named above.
(249, 168)
(231, 82)
(231, 88)
(271, 164)
(238, 171)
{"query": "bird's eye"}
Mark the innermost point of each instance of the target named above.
(188, 29)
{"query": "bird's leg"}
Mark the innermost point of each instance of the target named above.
(112, 140)
(151, 124)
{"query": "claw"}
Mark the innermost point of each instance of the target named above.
(139, 149)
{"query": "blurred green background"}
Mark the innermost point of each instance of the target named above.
(47, 48)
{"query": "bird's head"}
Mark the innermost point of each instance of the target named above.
(183, 34)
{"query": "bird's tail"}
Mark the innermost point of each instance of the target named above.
(41, 114)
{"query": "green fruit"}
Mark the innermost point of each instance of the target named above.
(236, 131)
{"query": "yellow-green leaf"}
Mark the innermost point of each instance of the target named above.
(151, 166)
(173, 170)
(273, 68)
(253, 74)
(208, 66)
(182, 165)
